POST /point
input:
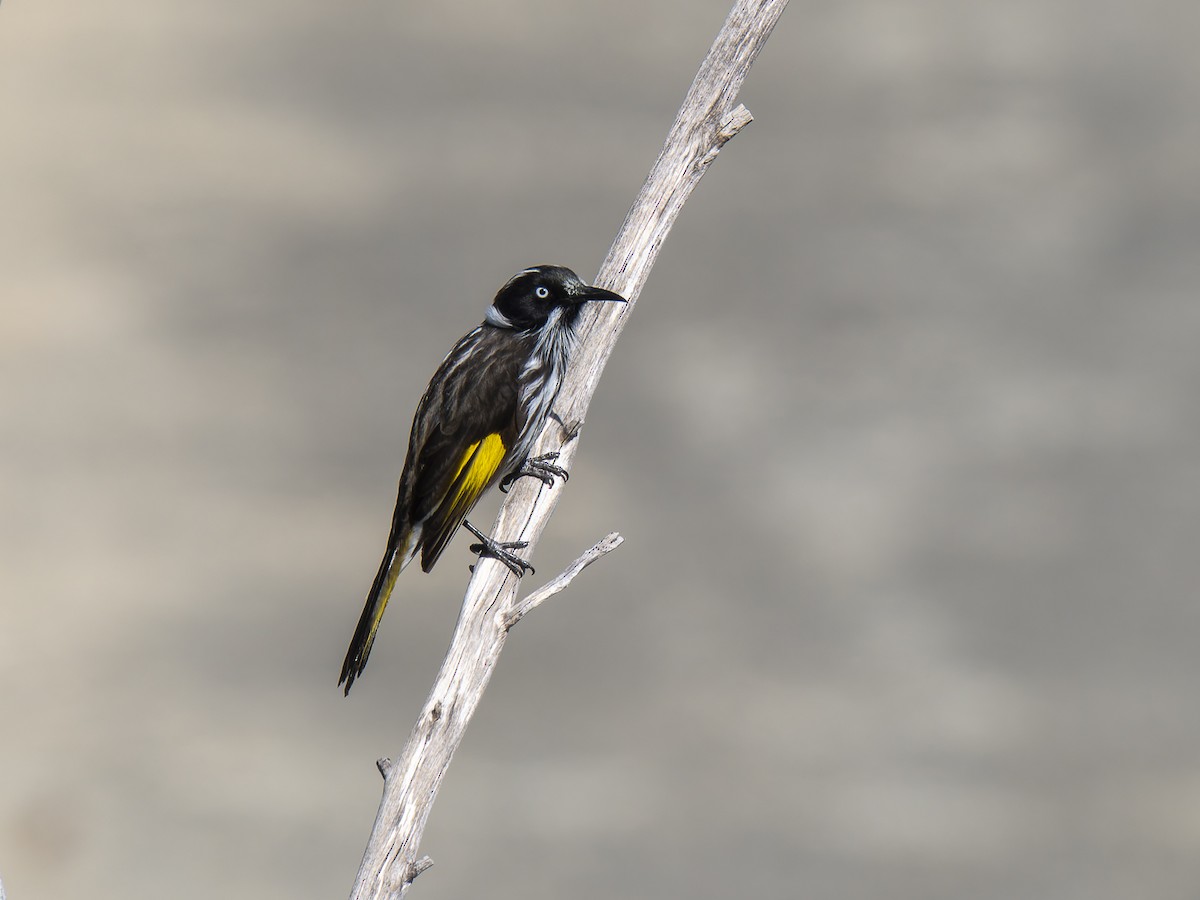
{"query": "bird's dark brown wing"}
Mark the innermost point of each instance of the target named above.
(463, 432)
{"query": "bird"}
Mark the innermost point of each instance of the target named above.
(474, 427)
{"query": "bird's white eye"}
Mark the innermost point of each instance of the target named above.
(542, 292)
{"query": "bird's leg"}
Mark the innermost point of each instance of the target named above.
(539, 467)
(499, 550)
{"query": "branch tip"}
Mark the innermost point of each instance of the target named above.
(424, 864)
(737, 119)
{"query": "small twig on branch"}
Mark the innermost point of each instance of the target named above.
(532, 601)
(708, 118)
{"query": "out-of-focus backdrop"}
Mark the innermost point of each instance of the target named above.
(904, 437)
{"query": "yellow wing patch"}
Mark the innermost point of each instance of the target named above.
(480, 462)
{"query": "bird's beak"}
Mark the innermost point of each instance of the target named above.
(600, 294)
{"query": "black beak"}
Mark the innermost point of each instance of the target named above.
(600, 294)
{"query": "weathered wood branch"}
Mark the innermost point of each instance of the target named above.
(519, 610)
(707, 119)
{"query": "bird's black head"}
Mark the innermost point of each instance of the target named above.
(529, 298)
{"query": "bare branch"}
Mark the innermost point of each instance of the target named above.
(531, 602)
(708, 118)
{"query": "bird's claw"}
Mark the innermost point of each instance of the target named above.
(499, 550)
(540, 467)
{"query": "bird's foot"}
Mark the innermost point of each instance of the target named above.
(540, 467)
(499, 550)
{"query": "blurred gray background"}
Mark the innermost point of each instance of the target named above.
(904, 438)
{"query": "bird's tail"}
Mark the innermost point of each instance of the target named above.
(399, 554)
